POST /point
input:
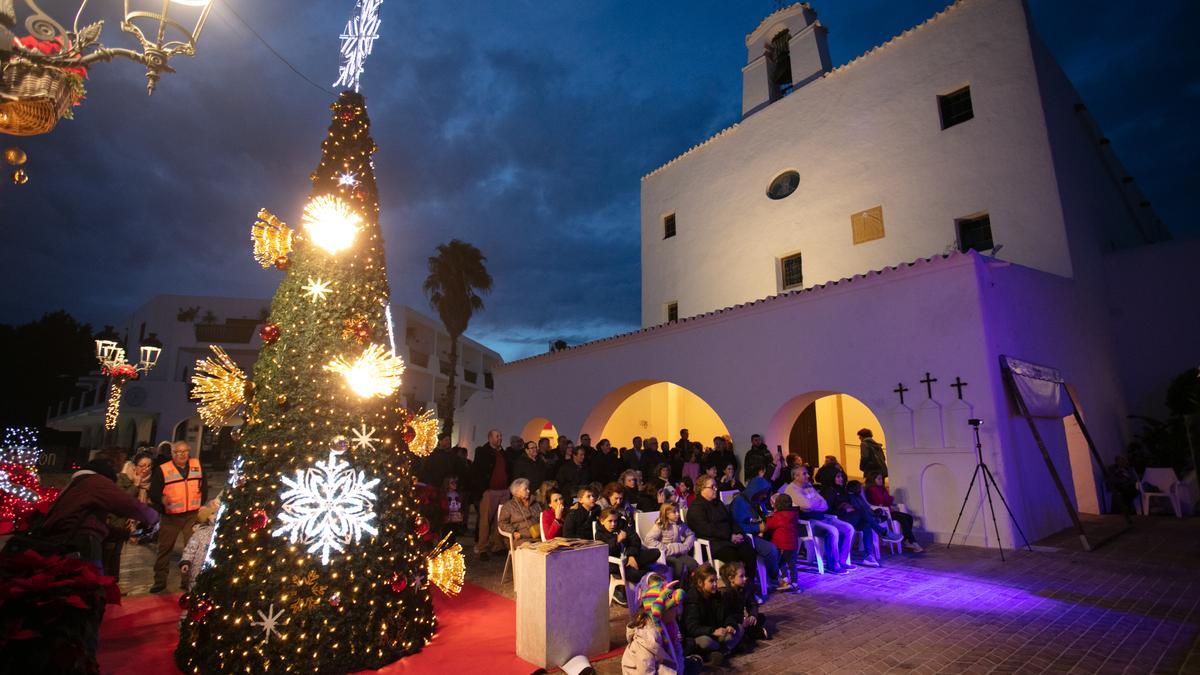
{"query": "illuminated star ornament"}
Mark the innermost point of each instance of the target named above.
(330, 223)
(316, 289)
(268, 621)
(364, 438)
(357, 41)
(348, 179)
(327, 507)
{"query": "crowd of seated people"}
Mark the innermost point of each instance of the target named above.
(751, 539)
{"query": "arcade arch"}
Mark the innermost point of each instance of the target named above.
(821, 423)
(538, 428)
(653, 408)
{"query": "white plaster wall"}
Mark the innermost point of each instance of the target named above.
(756, 364)
(867, 134)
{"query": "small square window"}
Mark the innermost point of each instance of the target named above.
(669, 226)
(955, 107)
(673, 311)
(975, 233)
(793, 275)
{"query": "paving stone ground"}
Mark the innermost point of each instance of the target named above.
(1132, 606)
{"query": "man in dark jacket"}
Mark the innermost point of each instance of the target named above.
(827, 471)
(489, 480)
(605, 466)
(710, 520)
(530, 467)
(651, 457)
(722, 456)
(872, 460)
(758, 455)
(573, 474)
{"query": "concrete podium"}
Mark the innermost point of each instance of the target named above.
(562, 603)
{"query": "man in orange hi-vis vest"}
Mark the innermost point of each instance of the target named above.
(178, 489)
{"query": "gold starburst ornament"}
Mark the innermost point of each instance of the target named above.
(220, 387)
(447, 567)
(375, 373)
(272, 239)
(331, 223)
(425, 427)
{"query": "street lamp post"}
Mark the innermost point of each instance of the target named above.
(111, 356)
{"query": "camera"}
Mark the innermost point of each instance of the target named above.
(975, 422)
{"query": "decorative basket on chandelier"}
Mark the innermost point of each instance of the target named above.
(43, 72)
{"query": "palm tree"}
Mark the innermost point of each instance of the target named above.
(455, 274)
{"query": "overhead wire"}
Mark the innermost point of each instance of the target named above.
(274, 51)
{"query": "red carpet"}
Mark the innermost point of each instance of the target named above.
(476, 630)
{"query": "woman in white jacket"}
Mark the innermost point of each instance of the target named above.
(675, 539)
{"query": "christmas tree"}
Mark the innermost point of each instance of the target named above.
(21, 490)
(320, 561)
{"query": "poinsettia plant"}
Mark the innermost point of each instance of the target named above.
(75, 74)
(123, 371)
(45, 603)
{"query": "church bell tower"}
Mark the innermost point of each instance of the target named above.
(788, 50)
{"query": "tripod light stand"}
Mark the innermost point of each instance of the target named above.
(988, 482)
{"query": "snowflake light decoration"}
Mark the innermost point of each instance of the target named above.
(235, 477)
(268, 621)
(348, 179)
(364, 438)
(327, 507)
(316, 289)
(357, 41)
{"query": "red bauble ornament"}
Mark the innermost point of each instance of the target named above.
(199, 609)
(269, 332)
(399, 582)
(421, 526)
(408, 434)
(282, 262)
(258, 520)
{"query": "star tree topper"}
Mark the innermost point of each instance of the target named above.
(357, 41)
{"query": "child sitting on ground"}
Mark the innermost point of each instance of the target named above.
(197, 545)
(655, 642)
(706, 631)
(741, 607)
(783, 529)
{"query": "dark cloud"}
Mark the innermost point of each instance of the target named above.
(522, 127)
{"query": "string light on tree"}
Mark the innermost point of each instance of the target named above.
(376, 373)
(357, 42)
(331, 224)
(327, 507)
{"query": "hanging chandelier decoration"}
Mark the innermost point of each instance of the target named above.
(43, 71)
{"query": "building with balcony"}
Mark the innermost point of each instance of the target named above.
(157, 407)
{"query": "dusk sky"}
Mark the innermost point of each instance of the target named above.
(522, 127)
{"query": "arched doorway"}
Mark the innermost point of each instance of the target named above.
(659, 409)
(822, 423)
(538, 428)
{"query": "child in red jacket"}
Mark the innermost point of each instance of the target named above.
(783, 528)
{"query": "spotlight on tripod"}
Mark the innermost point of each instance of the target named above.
(989, 482)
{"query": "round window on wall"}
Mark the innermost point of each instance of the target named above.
(783, 185)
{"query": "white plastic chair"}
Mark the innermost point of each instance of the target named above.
(812, 547)
(1164, 479)
(614, 582)
(642, 522)
(511, 545)
(885, 514)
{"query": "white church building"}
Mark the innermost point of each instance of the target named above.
(861, 250)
